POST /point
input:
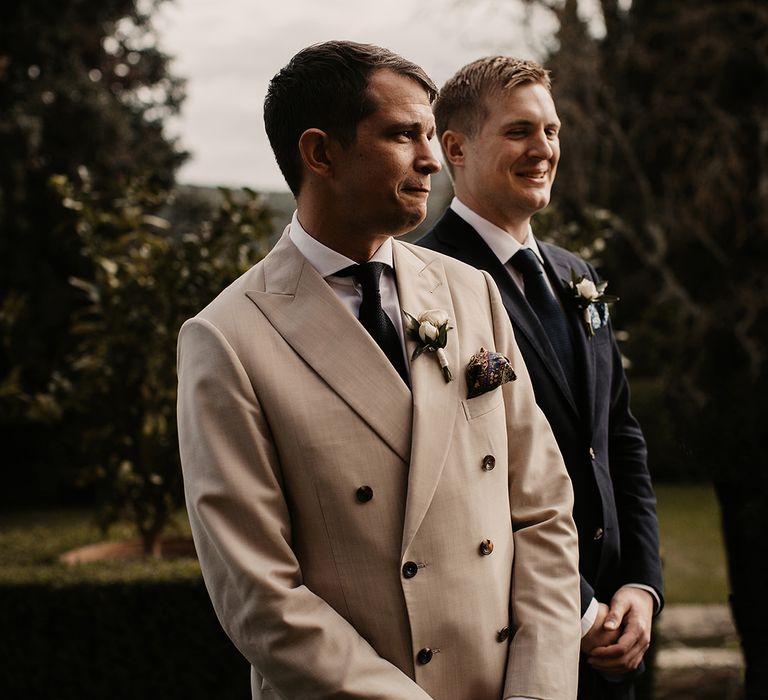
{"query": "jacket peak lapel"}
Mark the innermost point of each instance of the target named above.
(561, 270)
(301, 306)
(421, 286)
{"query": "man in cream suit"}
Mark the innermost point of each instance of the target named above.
(365, 529)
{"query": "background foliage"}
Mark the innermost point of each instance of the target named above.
(667, 133)
(81, 84)
(118, 387)
(100, 259)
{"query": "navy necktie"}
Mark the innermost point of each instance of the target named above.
(548, 310)
(372, 315)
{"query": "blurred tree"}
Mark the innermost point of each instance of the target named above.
(82, 83)
(119, 385)
(666, 128)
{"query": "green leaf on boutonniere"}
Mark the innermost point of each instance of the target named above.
(591, 299)
(430, 332)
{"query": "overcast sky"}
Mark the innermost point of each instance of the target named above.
(229, 49)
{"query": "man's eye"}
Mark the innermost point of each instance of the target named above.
(516, 133)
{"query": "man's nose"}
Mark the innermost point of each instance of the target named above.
(540, 146)
(427, 163)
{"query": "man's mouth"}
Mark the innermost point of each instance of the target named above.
(533, 174)
(416, 189)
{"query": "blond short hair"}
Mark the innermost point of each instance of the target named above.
(462, 104)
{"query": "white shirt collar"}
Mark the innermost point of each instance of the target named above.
(325, 260)
(498, 240)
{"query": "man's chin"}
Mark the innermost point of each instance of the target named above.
(411, 222)
(537, 201)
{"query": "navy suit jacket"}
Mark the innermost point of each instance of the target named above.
(601, 442)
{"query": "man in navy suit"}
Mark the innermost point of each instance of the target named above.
(498, 129)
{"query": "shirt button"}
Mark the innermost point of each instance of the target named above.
(410, 569)
(502, 635)
(486, 547)
(424, 656)
(364, 494)
(598, 534)
(489, 462)
(592, 453)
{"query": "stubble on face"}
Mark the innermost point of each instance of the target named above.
(384, 176)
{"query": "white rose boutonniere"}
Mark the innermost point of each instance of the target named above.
(591, 298)
(430, 331)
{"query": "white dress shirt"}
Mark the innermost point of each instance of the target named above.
(327, 262)
(503, 245)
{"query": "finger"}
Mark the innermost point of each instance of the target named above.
(623, 646)
(619, 664)
(616, 614)
(635, 627)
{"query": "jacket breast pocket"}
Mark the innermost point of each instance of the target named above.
(485, 403)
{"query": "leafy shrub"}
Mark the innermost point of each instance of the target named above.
(119, 389)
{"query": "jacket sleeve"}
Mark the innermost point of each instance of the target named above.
(543, 654)
(242, 530)
(633, 491)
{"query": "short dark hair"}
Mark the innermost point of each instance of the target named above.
(325, 86)
(462, 102)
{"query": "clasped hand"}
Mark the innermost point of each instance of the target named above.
(620, 634)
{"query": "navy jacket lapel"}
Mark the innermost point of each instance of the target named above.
(559, 269)
(455, 233)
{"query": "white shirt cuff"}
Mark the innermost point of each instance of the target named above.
(654, 595)
(589, 617)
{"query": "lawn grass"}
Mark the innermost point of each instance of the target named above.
(691, 544)
(30, 542)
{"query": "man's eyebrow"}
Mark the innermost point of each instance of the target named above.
(407, 126)
(526, 122)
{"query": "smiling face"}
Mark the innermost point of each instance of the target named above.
(505, 171)
(381, 181)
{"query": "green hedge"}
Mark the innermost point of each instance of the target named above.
(109, 630)
(140, 640)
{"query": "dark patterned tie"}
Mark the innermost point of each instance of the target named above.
(549, 311)
(372, 315)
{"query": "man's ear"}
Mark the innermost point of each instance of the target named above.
(453, 144)
(314, 147)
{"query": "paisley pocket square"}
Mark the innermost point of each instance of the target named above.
(486, 371)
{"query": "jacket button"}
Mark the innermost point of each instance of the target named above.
(410, 569)
(486, 547)
(364, 494)
(592, 453)
(502, 635)
(424, 656)
(598, 534)
(489, 462)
